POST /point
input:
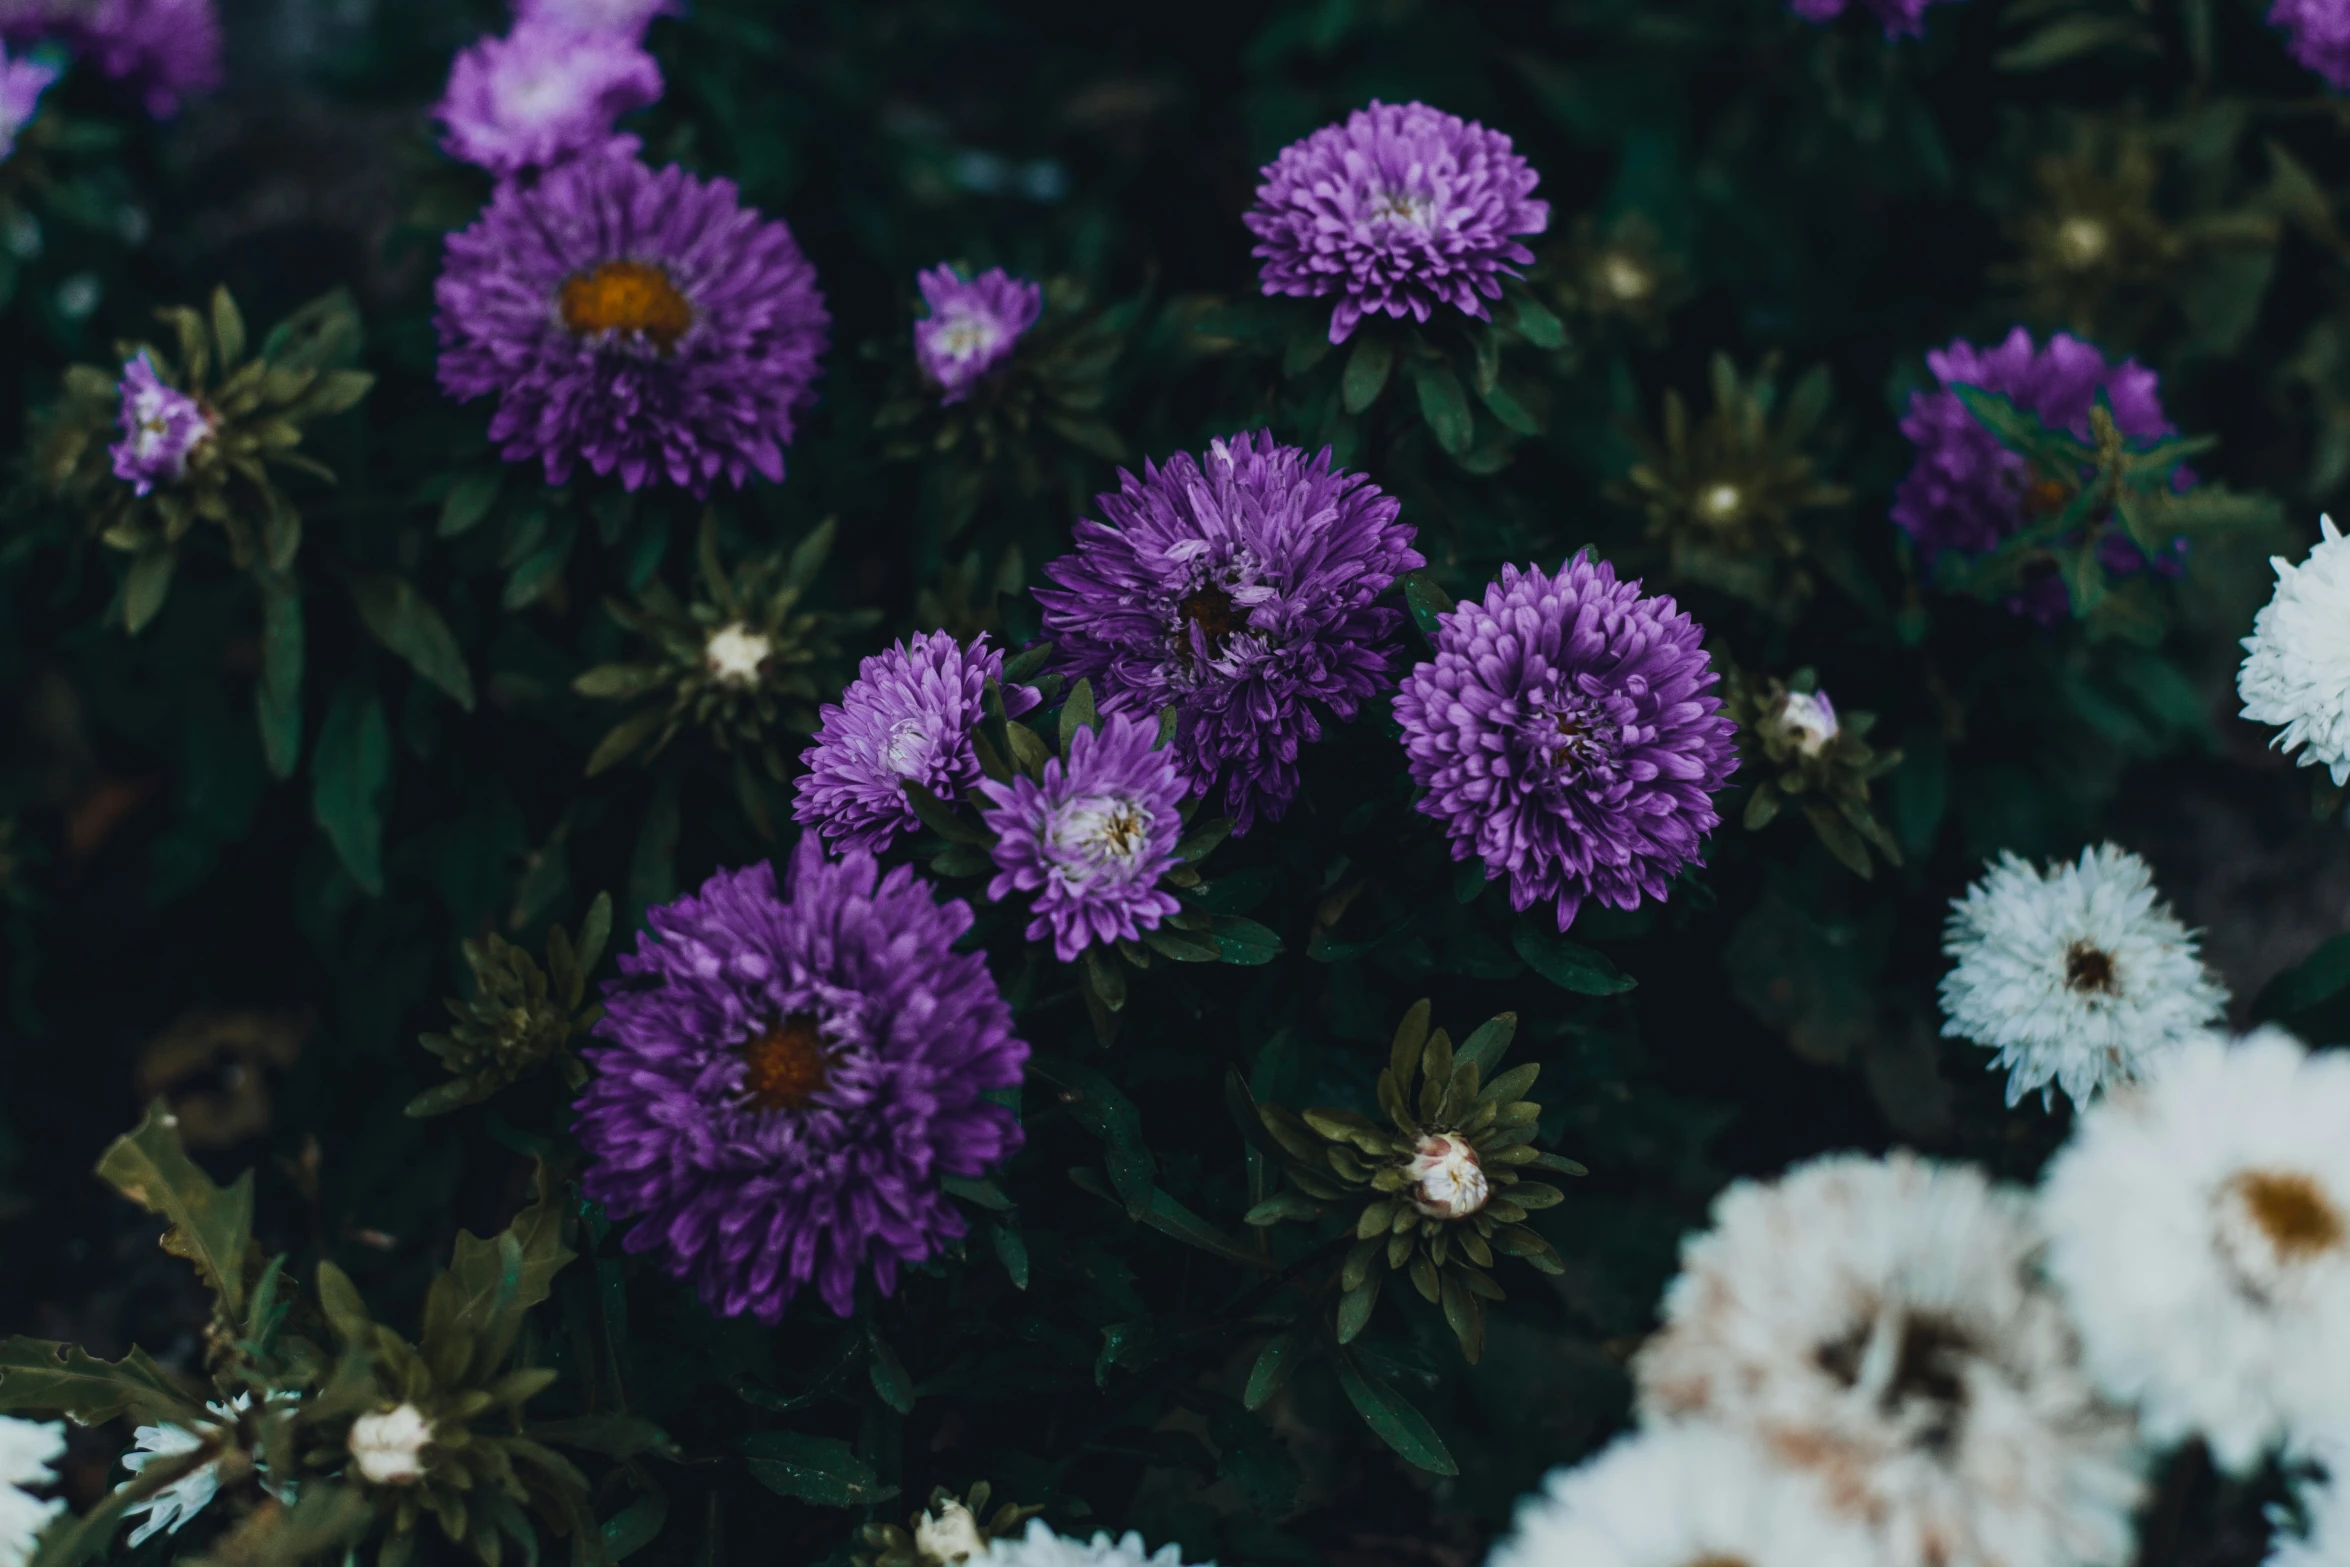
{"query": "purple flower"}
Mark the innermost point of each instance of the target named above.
(784, 1081)
(972, 325)
(1400, 209)
(1240, 591)
(1090, 843)
(645, 322)
(908, 715)
(541, 94)
(21, 84)
(1901, 17)
(2317, 34)
(162, 49)
(161, 427)
(628, 17)
(1564, 734)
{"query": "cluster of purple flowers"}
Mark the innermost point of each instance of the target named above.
(2317, 34)
(163, 50)
(161, 428)
(973, 325)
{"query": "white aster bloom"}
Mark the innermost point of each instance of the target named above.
(389, 1445)
(1678, 1496)
(2296, 670)
(1880, 1323)
(171, 1508)
(2199, 1227)
(1040, 1547)
(2080, 977)
(27, 1449)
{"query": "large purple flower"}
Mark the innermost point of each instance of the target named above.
(164, 50)
(1089, 844)
(646, 323)
(972, 326)
(22, 82)
(1240, 591)
(1400, 209)
(630, 17)
(1565, 734)
(2317, 34)
(785, 1080)
(161, 428)
(542, 93)
(1901, 17)
(907, 717)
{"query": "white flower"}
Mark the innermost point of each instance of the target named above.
(191, 1493)
(1809, 719)
(2199, 1227)
(1880, 1323)
(2080, 977)
(2324, 1539)
(948, 1535)
(390, 1446)
(2297, 660)
(1040, 1547)
(1680, 1495)
(1447, 1181)
(735, 653)
(27, 1449)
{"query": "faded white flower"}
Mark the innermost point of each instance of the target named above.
(2296, 670)
(171, 1507)
(1040, 1547)
(735, 654)
(949, 1534)
(1809, 719)
(27, 1449)
(389, 1446)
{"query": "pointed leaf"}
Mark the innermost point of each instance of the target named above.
(351, 778)
(405, 622)
(211, 1226)
(1392, 1419)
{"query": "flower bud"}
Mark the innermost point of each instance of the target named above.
(1447, 1182)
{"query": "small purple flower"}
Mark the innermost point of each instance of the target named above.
(1902, 18)
(2317, 34)
(1400, 209)
(1242, 592)
(542, 93)
(627, 17)
(1564, 733)
(161, 427)
(1090, 843)
(784, 1081)
(908, 716)
(22, 82)
(644, 322)
(972, 325)
(164, 50)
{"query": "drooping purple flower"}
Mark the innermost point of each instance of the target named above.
(628, 17)
(908, 716)
(1241, 591)
(1399, 209)
(1089, 844)
(1565, 733)
(783, 1081)
(1902, 18)
(542, 93)
(2317, 34)
(161, 427)
(646, 323)
(165, 50)
(972, 325)
(22, 82)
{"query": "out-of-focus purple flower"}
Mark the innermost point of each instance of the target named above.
(2317, 34)
(1565, 733)
(1397, 210)
(22, 82)
(646, 323)
(1902, 18)
(164, 50)
(972, 325)
(907, 717)
(629, 17)
(783, 1081)
(1089, 844)
(543, 93)
(1242, 592)
(161, 427)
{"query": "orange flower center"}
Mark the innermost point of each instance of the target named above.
(2292, 1211)
(626, 296)
(784, 1067)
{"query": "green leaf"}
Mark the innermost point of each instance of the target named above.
(1426, 600)
(1354, 1307)
(1162, 1212)
(1536, 324)
(1012, 1251)
(818, 1469)
(1201, 841)
(888, 1373)
(1077, 713)
(277, 698)
(39, 1377)
(1098, 1105)
(1181, 945)
(1366, 371)
(940, 817)
(72, 1540)
(1281, 1205)
(469, 501)
(474, 1312)
(1245, 941)
(614, 1436)
(1568, 964)
(1488, 1044)
(146, 586)
(405, 622)
(351, 778)
(1274, 1365)
(228, 329)
(1391, 1419)
(635, 1526)
(2316, 978)
(2069, 37)
(211, 1226)
(1444, 405)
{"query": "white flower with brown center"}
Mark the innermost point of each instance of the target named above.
(389, 1446)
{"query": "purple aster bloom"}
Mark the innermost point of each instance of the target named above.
(541, 94)
(161, 427)
(972, 325)
(629, 17)
(646, 322)
(1400, 209)
(1241, 592)
(784, 1081)
(164, 50)
(908, 715)
(22, 82)
(1901, 17)
(1090, 843)
(2317, 34)
(1564, 733)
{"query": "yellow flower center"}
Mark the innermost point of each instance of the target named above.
(2082, 242)
(784, 1067)
(1720, 503)
(1625, 279)
(626, 296)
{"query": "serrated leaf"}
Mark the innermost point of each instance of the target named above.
(818, 1469)
(1392, 1419)
(406, 623)
(211, 1226)
(351, 782)
(40, 1377)
(474, 1312)
(1568, 964)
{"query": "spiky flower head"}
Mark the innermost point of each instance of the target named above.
(1397, 210)
(1619, 277)
(2091, 242)
(2317, 35)
(170, 1509)
(972, 326)
(162, 50)
(1241, 591)
(2296, 670)
(2080, 977)
(544, 92)
(950, 1532)
(22, 82)
(1040, 1547)
(1565, 733)
(908, 716)
(1901, 18)
(521, 1017)
(1881, 1323)
(1089, 841)
(786, 1077)
(1440, 1188)
(1813, 757)
(643, 322)
(2199, 1228)
(27, 1449)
